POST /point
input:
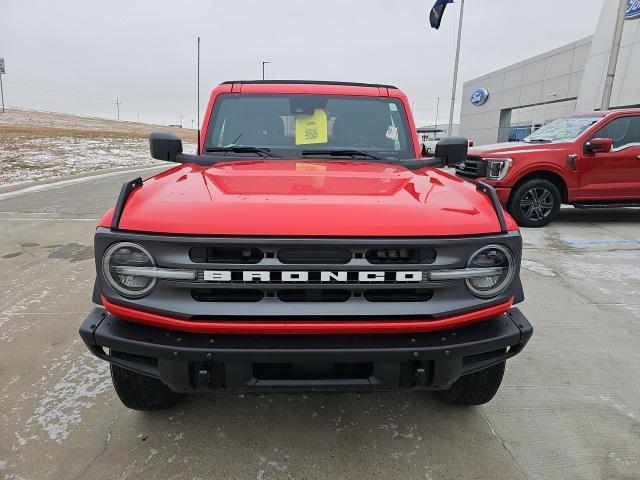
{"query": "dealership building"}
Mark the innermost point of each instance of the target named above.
(510, 103)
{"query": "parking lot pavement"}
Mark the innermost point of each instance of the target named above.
(569, 406)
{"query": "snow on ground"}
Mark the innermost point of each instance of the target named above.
(42, 145)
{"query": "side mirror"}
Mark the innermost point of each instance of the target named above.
(598, 145)
(452, 150)
(165, 146)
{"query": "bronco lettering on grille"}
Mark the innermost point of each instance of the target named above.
(265, 276)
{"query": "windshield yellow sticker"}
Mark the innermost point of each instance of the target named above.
(311, 128)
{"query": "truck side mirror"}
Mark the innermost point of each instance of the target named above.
(165, 146)
(598, 145)
(452, 150)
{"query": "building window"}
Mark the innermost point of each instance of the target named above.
(516, 134)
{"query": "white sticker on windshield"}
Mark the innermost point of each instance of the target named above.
(392, 133)
(393, 107)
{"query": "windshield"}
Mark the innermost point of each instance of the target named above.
(562, 129)
(290, 126)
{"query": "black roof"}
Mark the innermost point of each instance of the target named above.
(311, 82)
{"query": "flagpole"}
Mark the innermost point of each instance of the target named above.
(455, 71)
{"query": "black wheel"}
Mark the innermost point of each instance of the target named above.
(535, 203)
(140, 392)
(474, 389)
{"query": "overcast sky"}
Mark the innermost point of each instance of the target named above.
(77, 56)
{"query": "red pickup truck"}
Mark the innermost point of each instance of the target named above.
(587, 160)
(306, 248)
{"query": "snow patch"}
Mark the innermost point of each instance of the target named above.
(84, 378)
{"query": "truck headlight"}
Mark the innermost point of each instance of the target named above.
(497, 168)
(127, 254)
(491, 256)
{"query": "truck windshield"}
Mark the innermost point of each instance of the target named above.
(289, 126)
(561, 130)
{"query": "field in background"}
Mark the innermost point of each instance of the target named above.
(42, 145)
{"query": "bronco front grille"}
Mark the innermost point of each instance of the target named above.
(305, 278)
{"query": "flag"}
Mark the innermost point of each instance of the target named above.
(437, 11)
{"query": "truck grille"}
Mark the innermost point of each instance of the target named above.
(472, 167)
(304, 278)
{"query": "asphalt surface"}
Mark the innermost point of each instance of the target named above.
(568, 408)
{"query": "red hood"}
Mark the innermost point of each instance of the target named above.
(289, 198)
(514, 148)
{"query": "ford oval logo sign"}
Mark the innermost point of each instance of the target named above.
(633, 9)
(480, 96)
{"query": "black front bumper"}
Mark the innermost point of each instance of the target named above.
(188, 362)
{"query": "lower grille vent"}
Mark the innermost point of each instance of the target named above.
(314, 295)
(227, 295)
(417, 295)
(311, 295)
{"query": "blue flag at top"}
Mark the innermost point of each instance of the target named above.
(437, 11)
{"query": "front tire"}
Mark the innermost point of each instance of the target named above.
(474, 389)
(535, 203)
(139, 392)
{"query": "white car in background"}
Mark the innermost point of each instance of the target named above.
(428, 138)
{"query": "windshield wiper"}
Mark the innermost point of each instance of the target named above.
(538, 140)
(263, 152)
(340, 153)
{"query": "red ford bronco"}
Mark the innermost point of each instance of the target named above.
(589, 160)
(307, 246)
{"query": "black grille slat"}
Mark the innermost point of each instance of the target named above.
(226, 254)
(321, 256)
(314, 295)
(400, 255)
(386, 295)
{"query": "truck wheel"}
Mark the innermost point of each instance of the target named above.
(139, 392)
(535, 203)
(474, 389)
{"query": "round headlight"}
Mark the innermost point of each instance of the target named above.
(501, 263)
(127, 254)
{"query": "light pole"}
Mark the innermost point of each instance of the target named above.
(613, 56)
(263, 64)
(2, 71)
(455, 71)
(437, 111)
(2, 92)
